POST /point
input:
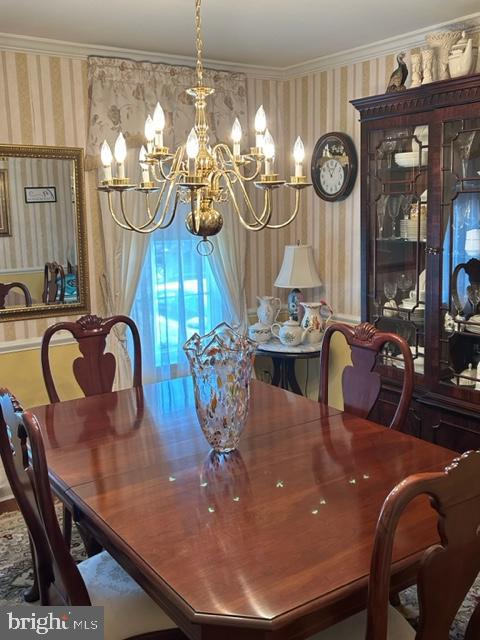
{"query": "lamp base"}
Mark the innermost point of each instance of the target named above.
(295, 311)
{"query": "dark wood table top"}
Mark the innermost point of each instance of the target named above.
(273, 540)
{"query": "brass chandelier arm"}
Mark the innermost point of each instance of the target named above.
(158, 225)
(175, 169)
(258, 219)
(113, 214)
(292, 215)
(266, 214)
(221, 148)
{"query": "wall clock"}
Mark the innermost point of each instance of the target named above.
(334, 166)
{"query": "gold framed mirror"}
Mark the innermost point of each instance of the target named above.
(43, 244)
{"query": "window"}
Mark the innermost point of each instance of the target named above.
(177, 296)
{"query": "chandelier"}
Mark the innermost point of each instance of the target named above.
(198, 174)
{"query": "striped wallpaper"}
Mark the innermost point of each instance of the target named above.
(43, 100)
(310, 106)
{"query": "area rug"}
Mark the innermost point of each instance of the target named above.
(16, 573)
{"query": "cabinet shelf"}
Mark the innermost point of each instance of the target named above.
(401, 240)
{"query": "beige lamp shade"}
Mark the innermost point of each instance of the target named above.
(298, 268)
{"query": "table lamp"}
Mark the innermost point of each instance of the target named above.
(298, 271)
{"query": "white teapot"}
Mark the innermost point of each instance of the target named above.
(289, 333)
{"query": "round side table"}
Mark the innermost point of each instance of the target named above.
(284, 358)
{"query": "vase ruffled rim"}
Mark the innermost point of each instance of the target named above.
(194, 347)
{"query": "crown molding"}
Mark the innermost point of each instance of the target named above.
(76, 50)
(45, 46)
(406, 41)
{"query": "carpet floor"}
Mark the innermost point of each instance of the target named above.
(16, 573)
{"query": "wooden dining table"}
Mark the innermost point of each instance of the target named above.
(270, 541)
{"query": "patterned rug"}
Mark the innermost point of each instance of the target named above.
(16, 573)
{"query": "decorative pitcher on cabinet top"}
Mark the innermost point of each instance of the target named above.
(313, 321)
(268, 309)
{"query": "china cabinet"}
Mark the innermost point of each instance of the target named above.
(420, 171)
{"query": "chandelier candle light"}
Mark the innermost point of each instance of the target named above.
(198, 174)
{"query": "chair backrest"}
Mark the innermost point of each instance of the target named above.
(360, 384)
(448, 569)
(23, 456)
(5, 288)
(53, 283)
(94, 370)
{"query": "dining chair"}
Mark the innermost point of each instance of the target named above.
(94, 370)
(53, 283)
(361, 385)
(447, 570)
(5, 288)
(98, 581)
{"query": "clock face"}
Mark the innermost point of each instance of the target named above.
(334, 166)
(332, 176)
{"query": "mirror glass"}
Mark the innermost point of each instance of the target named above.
(42, 243)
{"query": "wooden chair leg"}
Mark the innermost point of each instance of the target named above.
(92, 547)
(67, 527)
(32, 594)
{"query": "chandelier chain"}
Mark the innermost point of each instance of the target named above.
(199, 42)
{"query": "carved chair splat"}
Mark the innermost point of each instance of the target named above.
(5, 288)
(360, 383)
(448, 569)
(60, 580)
(95, 369)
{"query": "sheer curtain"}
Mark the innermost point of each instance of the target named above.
(122, 93)
(177, 296)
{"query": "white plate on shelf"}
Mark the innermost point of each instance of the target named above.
(408, 159)
(418, 363)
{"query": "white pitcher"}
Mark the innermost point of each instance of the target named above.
(313, 321)
(268, 309)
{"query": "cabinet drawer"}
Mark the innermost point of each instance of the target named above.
(450, 429)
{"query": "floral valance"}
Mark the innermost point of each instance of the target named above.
(123, 92)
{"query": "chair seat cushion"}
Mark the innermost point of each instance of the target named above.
(354, 628)
(128, 610)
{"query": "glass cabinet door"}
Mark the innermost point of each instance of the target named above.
(460, 235)
(397, 206)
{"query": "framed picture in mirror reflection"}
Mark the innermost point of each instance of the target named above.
(4, 204)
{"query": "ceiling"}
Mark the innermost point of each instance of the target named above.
(274, 33)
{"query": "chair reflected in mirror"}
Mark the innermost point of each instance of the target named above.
(6, 287)
(53, 283)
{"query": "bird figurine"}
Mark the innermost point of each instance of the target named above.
(399, 76)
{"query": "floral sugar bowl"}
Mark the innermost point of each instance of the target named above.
(259, 332)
